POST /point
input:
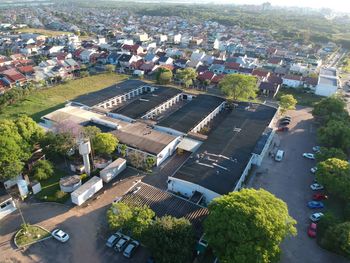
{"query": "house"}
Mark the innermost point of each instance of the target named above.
(164, 60)
(4, 86)
(177, 39)
(245, 71)
(217, 68)
(299, 68)
(26, 70)
(147, 67)
(205, 76)
(261, 74)
(150, 57)
(197, 56)
(269, 88)
(181, 62)
(327, 82)
(310, 82)
(292, 81)
(125, 60)
(132, 49)
(274, 62)
(113, 58)
(7, 205)
(231, 67)
(85, 55)
(13, 78)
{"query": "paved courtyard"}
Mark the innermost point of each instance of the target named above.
(290, 180)
(86, 226)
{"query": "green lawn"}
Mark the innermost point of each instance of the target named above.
(44, 101)
(51, 187)
(304, 99)
(41, 31)
(32, 234)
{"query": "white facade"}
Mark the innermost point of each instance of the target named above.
(327, 82)
(292, 83)
(113, 169)
(87, 190)
(7, 206)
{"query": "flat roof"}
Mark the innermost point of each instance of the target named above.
(147, 102)
(164, 203)
(188, 116)
(86, 186)
(93, 98)
(329, 72)
(221, 159)
(329, 81)
(142, 137)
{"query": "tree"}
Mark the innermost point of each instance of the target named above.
(248, 226)
(287, 102)
(42, 170)
(90, 132)
(329, 109)
(326, 222)
(122, 149)
(327, 153)
(130, 218)
(29, 130)
(58, 143)
(136, 159)
(150, 162)
(164, 76)
(104, 143)
(186, 76)
(110, 68)
(170, 240)
(239, 87)
(338, 238)
(334, 175)
(335, 134)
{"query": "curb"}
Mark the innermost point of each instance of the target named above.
(37, 241)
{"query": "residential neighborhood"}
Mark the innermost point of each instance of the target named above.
(130, 133)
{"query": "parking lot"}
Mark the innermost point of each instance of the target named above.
(290, 180)
(86, 226)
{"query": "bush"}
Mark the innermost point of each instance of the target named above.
(42, 170)
(83, 177)
(60, 194)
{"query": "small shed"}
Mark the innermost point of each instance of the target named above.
(69, 183)
(113, 169)
(87, 190)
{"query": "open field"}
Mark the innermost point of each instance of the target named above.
(42, 31)
(43, 101)
(304, 99)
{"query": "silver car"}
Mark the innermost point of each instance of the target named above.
(131, 248)
(122, 243)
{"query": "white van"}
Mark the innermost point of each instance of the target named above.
(279, 155)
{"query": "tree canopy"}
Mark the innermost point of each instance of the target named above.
(170, 240)
(248, 226)
(58, 143)
(42, 170)
(334, 175)
(186, 76)
(327, 153)
(337, 238)
(130, 218)
(335, 133)
(287, 102)
(164, 76)
(104, 143)
(330, 108)
(239, 87)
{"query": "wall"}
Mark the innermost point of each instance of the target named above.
(325, 90)
(7, 207)
(167, 151)
(187, 188)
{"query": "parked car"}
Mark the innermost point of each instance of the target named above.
(131, 248)
(315, 204)
(316, 148)
(60, 235)
(313, 170)
(122, 243)
(285, 122)
(113, 239)
(283, 129)
(286, 118)
(318, 197)
(279, 155)
(310, 156)
(315, 217)
(316, 187)
(312, 230)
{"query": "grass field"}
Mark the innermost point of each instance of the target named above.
(32, 234)
(46, 32)
(304, 99)
(43, 101)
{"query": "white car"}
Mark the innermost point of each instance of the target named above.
(316, 187)
(316, 149)
(310, 156)
(313, 170)
(131, 248)
(60, 235)
(122, 243)
(316, 217)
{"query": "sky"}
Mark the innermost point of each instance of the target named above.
(338, 5)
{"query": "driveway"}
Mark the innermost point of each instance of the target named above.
(86, 226)
(290, 180)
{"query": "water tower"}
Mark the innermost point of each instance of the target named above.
(84, 150)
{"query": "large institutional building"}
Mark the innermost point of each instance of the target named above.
(218, 141)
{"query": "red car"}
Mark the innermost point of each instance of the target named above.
(283, 129)
(312, 230)
(318, 197)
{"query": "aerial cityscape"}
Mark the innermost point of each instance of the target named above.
(168, 131)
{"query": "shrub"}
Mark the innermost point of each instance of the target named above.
(60, 194)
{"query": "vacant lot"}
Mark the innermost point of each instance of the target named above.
(46, 32)
(43, 101)
(304, 99)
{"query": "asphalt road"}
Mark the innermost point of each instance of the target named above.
(86, 226)
(290, 180)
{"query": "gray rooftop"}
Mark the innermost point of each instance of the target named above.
(93, 98)
(230, 144)
(147, 102)
(187, 117)
(329, 72)
(328, 81)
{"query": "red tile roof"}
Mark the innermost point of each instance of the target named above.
(232, 65)
(13, 75)
(260, 73)
(206, 75)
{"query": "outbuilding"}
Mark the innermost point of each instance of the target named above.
(87, 190)
(112, 170)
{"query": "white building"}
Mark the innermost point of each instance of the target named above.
(327, 82)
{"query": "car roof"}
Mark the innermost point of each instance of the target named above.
(59, 233)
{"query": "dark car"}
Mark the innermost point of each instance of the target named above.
(285, 122)
(286, 118)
